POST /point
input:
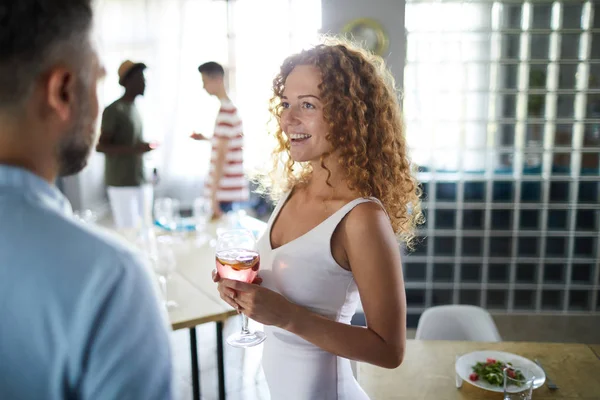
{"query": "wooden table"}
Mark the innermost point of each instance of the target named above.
(596, 349)
(428, 371)
(196, 260)
(196, 308)
(196, 263)
(195, 292)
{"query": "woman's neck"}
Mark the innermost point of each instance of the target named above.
(328, 182)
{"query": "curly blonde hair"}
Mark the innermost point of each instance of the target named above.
(366, 128)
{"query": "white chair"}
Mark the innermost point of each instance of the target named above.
(457, 322)
(354, 367)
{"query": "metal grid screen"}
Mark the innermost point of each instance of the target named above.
(502, 101)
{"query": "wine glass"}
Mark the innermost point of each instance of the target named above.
(237, 258)
(518, 383)
(164, 263)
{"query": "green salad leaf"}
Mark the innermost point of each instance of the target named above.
(491, 372)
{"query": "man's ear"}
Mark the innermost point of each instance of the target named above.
(60, 92)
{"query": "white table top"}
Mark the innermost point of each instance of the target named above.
(194, 307)
(192, 286)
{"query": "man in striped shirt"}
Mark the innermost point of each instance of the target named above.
(226, 184)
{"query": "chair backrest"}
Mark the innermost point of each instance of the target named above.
(457, 322)
(354, 367)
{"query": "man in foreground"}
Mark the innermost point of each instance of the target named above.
(79, 316)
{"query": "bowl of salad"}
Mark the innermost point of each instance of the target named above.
(484, 369)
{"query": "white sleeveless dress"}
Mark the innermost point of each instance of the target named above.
(305, 272)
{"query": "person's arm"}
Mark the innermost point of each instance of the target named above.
(373, 254)
(109, 129)
(198, 136)
(104, 146)
(128, 354)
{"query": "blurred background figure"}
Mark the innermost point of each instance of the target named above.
(226, 183)
(122, 143)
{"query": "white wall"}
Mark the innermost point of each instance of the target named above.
(86, 189)
(389, 13)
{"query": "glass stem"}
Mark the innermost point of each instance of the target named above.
(163, 286)
(245, 330)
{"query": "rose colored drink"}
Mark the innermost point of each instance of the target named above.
(238, 264)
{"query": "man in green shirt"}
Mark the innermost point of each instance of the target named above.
(122, 143)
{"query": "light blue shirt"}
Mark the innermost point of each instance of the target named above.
(79, 316)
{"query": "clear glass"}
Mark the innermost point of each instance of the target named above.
(86, 216)
(458, 380)
(166, 212)
(237, 258)
(164, 264)
(202, 212)
(518, 383)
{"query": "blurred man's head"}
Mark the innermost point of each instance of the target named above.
(131, 77)
(212, 78)
(49, 71)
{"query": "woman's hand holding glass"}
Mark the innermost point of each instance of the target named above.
(256, 302)
(237, 258)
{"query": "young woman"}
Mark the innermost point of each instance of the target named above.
(346, 194)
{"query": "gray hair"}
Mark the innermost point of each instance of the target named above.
(34, 36)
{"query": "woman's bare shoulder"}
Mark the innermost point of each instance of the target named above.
(368, 218)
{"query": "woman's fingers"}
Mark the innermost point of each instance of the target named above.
(230, 301)
(228, 292)
(215, 276)
(258, 280)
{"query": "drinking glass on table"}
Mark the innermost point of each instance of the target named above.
(237, 258)
(166, 212)
(164, 263)
(85, 216)
(202, 211)
(518, 383)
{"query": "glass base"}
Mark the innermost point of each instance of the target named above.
(171, 238)
(170, 304)
(244, 340)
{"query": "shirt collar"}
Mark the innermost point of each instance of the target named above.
(34, 188)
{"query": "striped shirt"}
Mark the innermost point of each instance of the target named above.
(233, 186)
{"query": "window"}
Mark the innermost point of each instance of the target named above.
(502, 111)
(173, 37)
